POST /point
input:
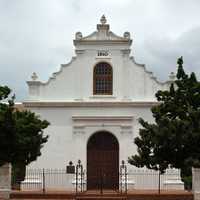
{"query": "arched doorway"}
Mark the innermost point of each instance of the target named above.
(102, 161)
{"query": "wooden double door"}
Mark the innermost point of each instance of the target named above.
(103, 162)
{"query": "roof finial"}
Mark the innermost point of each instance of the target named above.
(172, 76)
(103, 19)
(34, 76)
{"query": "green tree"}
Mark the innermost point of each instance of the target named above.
(7, 126)
(21, 136)
(173, 140)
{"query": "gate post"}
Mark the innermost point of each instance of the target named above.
(79, 177)
(5, 181)
(123, 177)
(196, 183)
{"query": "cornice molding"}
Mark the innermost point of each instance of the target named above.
(89, 104)
(102, 42)
(123, 123)
(105, 118)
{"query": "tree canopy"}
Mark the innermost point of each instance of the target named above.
(21, 132)
(7, 135)
(173, 140)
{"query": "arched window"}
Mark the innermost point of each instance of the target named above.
(103, 79)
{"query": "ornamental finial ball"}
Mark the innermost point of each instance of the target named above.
(34, 76)
(103, 19)
(172, 76)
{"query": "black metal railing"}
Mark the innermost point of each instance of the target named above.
(123, 178)
(54, 179)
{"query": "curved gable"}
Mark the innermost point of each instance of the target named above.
(74, 81)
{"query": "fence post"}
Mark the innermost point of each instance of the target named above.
(101, 185)
(81, 176)
(43, 180)
(126, 180)
(76, 179)
(159, 183)
(120, 174)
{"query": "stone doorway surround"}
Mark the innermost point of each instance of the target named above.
(83, 127)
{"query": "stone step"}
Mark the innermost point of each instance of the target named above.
(67, 196)
(41, 196)
(101, 198)
(72, 198)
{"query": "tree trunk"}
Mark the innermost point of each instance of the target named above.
(18, 175)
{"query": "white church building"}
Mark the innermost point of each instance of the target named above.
(93, 104)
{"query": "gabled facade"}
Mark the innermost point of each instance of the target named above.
(75, 80)
(93, 104)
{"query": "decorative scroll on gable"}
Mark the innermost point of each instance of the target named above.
(103, 33)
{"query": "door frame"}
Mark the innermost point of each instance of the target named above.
(115, 140)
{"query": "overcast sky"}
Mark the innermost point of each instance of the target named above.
(36, 35)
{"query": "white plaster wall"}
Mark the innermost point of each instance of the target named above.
(64, 145)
